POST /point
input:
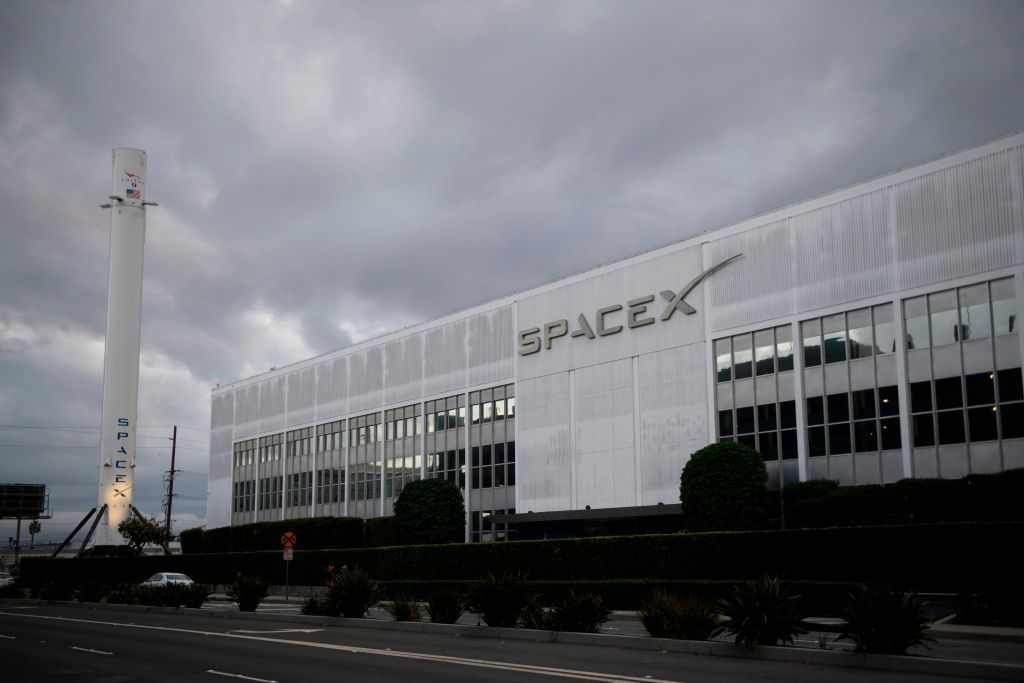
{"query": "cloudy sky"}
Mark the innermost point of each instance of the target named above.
(328, 171)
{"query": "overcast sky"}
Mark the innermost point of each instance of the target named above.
(329, 171)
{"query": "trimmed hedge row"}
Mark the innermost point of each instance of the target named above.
(314, 533)
(923, 557)
(975, 498)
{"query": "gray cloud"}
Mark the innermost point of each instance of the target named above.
(328, 171)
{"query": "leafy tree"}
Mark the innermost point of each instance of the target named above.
(138, 531)
(722, 488)
(430, 511)
(34, 527)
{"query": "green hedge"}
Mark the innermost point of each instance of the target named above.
(314, 533)
(380, 532)
(975, 498)
(923, 557)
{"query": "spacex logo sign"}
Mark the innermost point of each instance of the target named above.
(607, 320)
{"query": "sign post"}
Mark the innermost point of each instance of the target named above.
(288, 540)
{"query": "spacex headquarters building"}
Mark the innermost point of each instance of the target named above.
(867, 335)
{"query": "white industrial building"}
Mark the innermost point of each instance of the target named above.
(867, 335)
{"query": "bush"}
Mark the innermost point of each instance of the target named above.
(582, 612)
(404, 608)
(499, 600)
(444, 606)
(314, 533)
(762, 612)
(350, 593)
(90, 591)
(667, 616)
(992, 607)
(723, 488)
(59, 591)
(884, 621)
(12, 590)
(248, 592)
(430, 511)
(174, 595)
(314, 605)
(191, 541)
(382, 532)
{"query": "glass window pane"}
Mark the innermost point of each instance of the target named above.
(948, 393)
(945, 329)
(725, 423)
(863, 404)
(816, 441)
(982, 423)
(1011, 418)
(488, 412)
(839, 439)
(499, 409)
(431, 423)
(723, 359)
(920, 396)
(1011, 386)
(864, 437)
(744, 420)
(861, 342)
(888, 401)
(764, 348)
(787, 414)
(838, 408)
(784, 348)
(915, 314)
(766, 417)
(815, 410)
(924, 431)
(789, 450)
(835, 337)
(742, 358)
(981, 388)
(812, 342)
(951, 426)
(1004, 306)
(975, 322)
(747, 440)
(768, 445)
(885, 329)
(510, 407)
(891, 434)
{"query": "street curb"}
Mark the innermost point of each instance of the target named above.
(852, 660)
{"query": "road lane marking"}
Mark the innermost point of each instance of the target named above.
(442, 659)
(247, 678)
(280, 630)
(86, 649)
(6, 637)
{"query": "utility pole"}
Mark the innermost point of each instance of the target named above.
(170, 480)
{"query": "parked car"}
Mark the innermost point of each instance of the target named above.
(5, 579)
(164, 579)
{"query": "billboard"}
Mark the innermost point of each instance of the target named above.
(22, 500)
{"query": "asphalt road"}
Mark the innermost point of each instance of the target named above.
(60, 643)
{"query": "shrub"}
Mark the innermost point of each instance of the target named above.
(139, 531)
(430, 511)
(312, 532)
(667, 616)
(350, 593)
(57, 591)
(90, 591)
(196, 595)
(404, 608)
(191, 541)
(12, 590)
(314, 605)
(722, 488)
(884, 621)
(248, 592)
(444, 606)
(382, 532)
(992, 607)
(762, 612)
(582, 612)
(499, 600)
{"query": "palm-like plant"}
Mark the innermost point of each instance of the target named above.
(34, 527)
(762, 612)
(884, 621)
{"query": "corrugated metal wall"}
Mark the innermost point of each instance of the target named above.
(544, 480)
(605, 458)
(222, 421)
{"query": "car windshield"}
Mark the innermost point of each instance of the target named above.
(155, 577)
(177, 577)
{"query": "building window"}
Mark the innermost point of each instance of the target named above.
(812, 342)
(723, 359)
(915, 322)
(742, 359)
(1004, 306)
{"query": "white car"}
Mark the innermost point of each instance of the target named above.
(164, 579)
(5, 579)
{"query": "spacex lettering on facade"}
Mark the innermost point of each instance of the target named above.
(604, 323)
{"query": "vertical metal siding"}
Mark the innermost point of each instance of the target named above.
(273, 394)
(301, 394)
(366, 379)
(491, 337)
(332, 388)
(444, 358)
(605, 472)
(543, 479)
(247, 411)
(403, 369)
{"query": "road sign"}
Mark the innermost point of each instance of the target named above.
(289, 539)
(288, 553)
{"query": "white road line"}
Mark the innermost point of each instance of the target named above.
(6, 637)
(445, 659)
(246, 678)
(86, 649)
(280, 630)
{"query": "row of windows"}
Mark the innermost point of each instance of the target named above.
(400, 472)
(861, 333)
(299, 442)
(450, 465)
(769, 428)
(329, 485)
(954, 410)
(859, 421)
(738, 357)
(300, 489)
(241, 498)
(484, 528)
(955, 315)
(493, 466)
(245, 452)
(270, 493)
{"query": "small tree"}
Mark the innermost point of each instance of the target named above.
(138, 531)
(722, 488)
(34, 527)
(430, 511)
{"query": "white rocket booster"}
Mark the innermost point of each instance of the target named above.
(121, 352)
